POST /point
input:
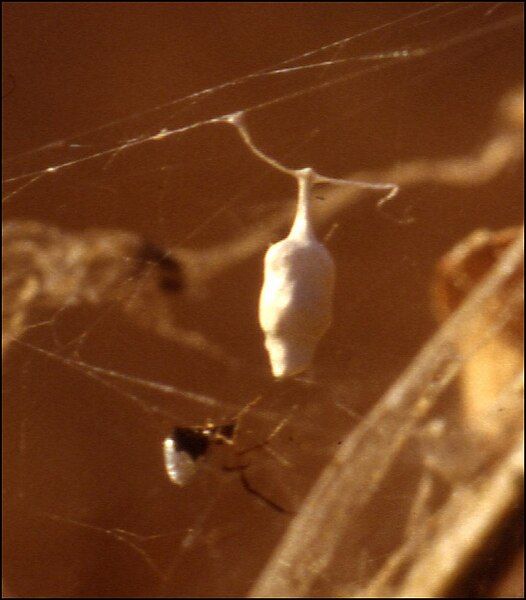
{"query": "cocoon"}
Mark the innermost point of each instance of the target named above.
(295, 305)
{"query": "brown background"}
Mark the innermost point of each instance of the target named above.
(88, 76)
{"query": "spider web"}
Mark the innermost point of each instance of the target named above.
(132, 266)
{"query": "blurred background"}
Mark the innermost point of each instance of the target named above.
(114, 97)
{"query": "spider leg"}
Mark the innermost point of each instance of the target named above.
(244, 410)
(273, 434)
(251, 490)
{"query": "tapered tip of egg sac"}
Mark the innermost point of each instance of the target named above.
(288, 359)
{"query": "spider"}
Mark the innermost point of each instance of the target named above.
(186, 446)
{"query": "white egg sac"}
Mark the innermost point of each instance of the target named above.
(295, 305)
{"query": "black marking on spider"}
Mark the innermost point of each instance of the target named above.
(195, 441)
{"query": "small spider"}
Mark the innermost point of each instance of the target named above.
(186, 446)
